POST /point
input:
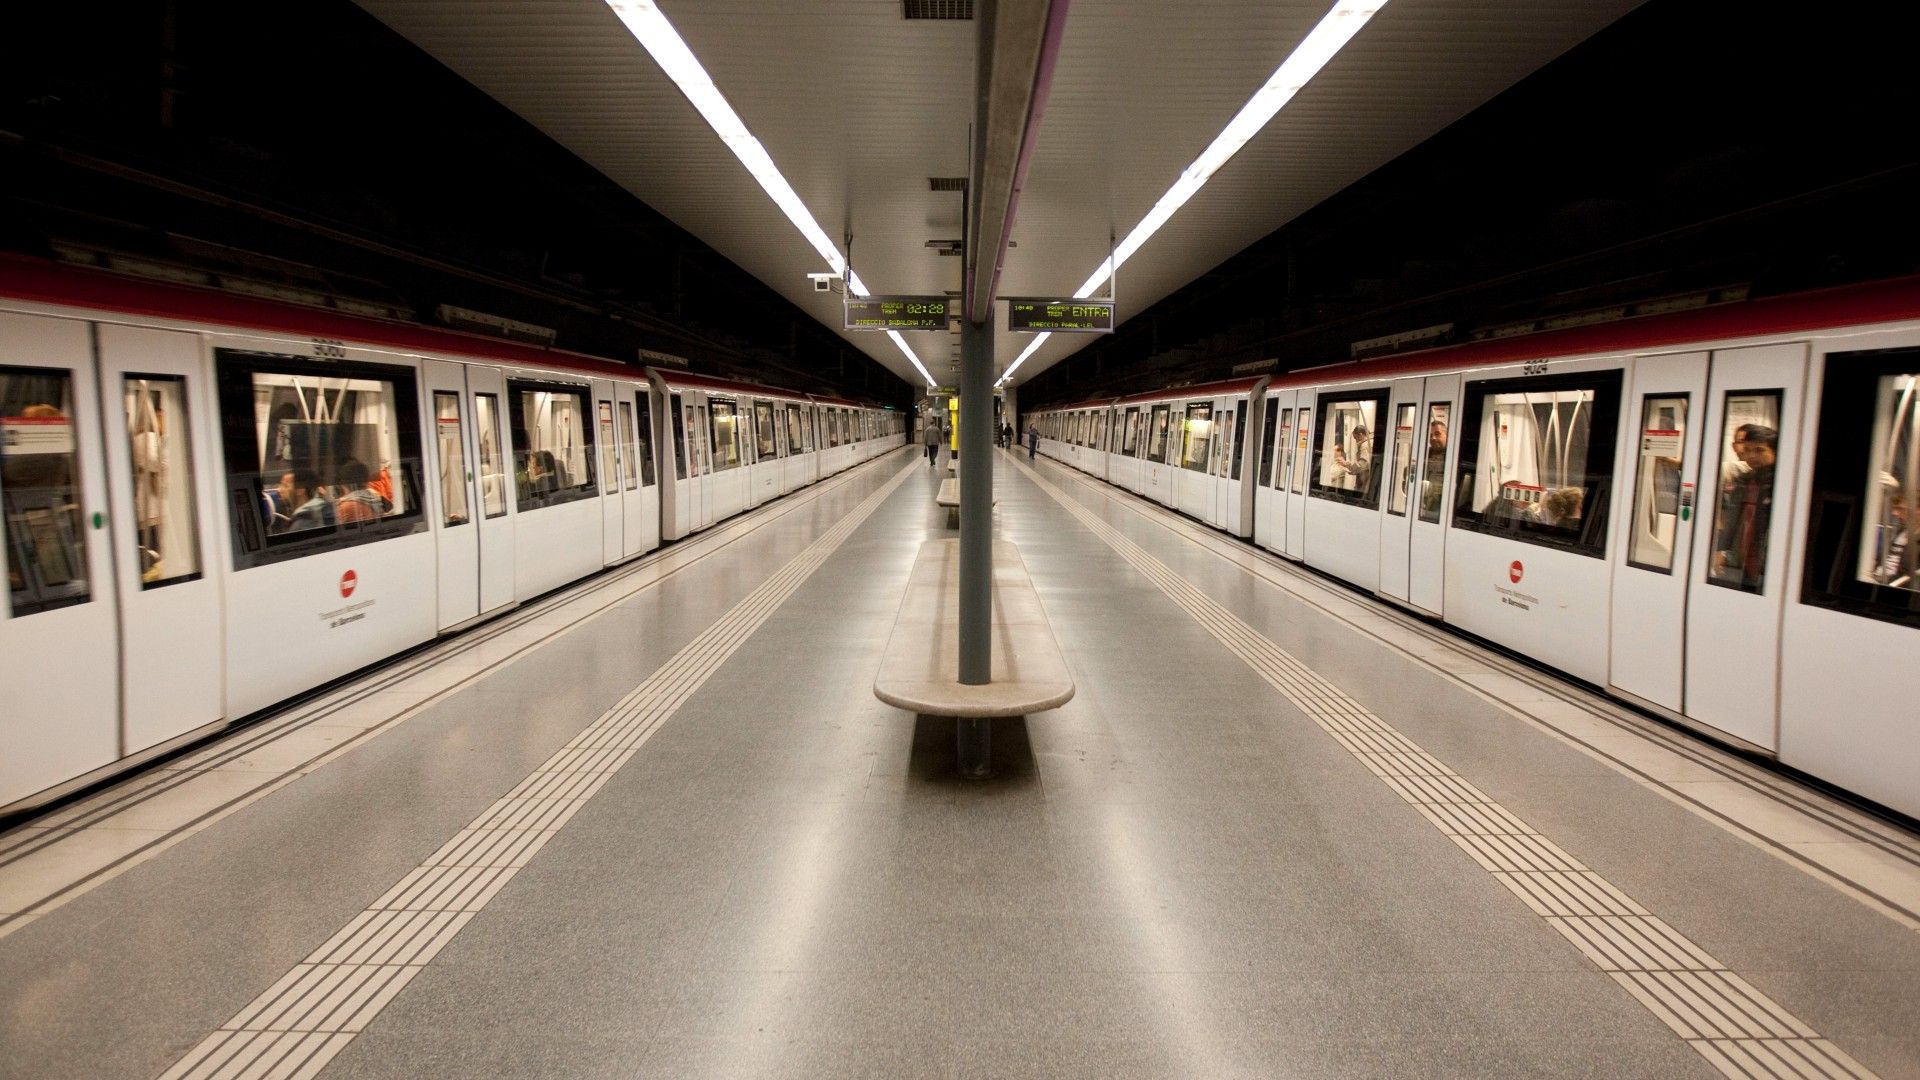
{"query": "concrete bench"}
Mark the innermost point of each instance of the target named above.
(949, 497)
(920, 670)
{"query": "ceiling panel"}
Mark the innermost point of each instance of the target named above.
(859, 106)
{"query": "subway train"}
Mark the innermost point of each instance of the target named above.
(215, 503)
(1708, 514)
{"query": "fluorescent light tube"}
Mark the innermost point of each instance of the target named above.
(1326, 39)
(649, 25)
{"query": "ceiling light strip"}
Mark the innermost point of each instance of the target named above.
(1321, 44)
(649, 26)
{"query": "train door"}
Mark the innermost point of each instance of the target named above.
(156, 429)
(1402, 473)
(60, 597)
(1227, 435)
(638, 480)
(1265, 500)
(688, 438)
(613, 513)
(1432, 440)
(1738, 576)
(700, 464)
(1649, 624)
(1299, 464)
(456, 537)
(493, 484)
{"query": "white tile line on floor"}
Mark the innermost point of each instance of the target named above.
(1772, 813)
(295, 1027)
(1735, 1027)
(73, 861)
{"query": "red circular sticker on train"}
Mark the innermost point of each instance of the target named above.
(350, 580)
(1515, 571)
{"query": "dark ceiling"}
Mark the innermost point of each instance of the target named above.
(306, 144)
(1710, 150)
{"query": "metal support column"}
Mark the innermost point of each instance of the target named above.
(976, 503)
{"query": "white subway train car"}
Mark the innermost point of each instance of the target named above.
(1709, 514)
(213, 504)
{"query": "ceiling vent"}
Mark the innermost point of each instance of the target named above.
(946, 183)
(937, 9)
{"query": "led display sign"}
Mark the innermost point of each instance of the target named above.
(897, 312)
(1034, 315)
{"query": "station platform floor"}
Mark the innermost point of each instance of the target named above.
(658, 825)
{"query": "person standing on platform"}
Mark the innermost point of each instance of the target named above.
(932, 439)
(1033, 441)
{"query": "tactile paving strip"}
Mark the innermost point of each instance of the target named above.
(301, 1022)
(1735, 1027)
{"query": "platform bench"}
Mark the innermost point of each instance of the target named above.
(920, 670)
(949, 497)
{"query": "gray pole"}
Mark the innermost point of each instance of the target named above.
(976, 502)
(976, 406)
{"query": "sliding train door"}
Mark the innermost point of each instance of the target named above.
(493, 485)
(1433, 443)
(1402, 474)
(456, 536)
(60, 595)
(1751, 428)
(1647, 655)
(640, 478)
(157, 428)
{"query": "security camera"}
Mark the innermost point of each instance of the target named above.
(824, 282)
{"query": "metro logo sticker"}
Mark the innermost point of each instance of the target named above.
(350, 581)
(1515, 572)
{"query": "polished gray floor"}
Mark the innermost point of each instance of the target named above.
(1177, 874)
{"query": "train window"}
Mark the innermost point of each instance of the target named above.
(806, 430)
(1130, 433)
(1539, 466)
(765, 433)
(1861, 555)
(486, 435)
(1347, 468)
(793, 430)
(678, 419)
(610, 439)
(1157, 440)
(1404, 468)
(725, 435)
(44, 524)
(1750, 442)
(1197, 436)
(629, 449)
(697, 441)
(449, 440)
(645, 434)
(1656, 485)
(165, 539)
(1283, 448)
(1269, 431)
(1433, 473)
(319, 455)
(1297, 453)
(1239, 422)
(553, 453)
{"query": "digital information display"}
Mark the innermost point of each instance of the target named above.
(897, 312)
(1035, 315)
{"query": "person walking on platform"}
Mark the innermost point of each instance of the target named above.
(932, 439)
(1033, 441)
